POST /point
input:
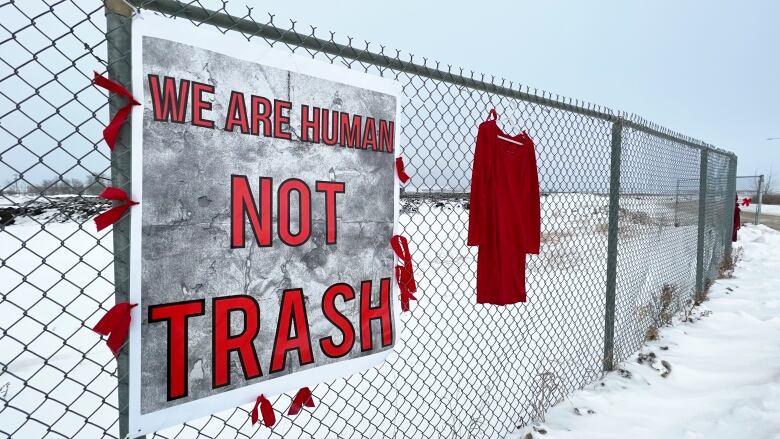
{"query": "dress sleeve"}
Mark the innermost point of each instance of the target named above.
(480, 175)
(533, 202)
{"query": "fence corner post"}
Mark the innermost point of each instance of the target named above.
(699, 292)
(612, 245)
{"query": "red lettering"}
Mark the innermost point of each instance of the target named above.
(292, 315)
(198, 104)
(243, 204)
(236, 114)
(342, 323)
(177, 315)
(224, 343)
(350, 134)
(167, 104)
(386, 135)
(330, 129)
(369, 134)
(280, 119)
(380, 312)
(331, 188)
(304, 212)
(308, 125)
(263, 116)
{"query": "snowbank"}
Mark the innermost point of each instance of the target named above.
(766, 209)
(715, 375)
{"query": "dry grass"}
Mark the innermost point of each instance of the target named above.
(651, 333)
(726, 268)
(771, 198)
(661, 311)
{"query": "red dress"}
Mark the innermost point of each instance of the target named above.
(504, 213)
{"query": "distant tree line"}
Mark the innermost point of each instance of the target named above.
(88, 185)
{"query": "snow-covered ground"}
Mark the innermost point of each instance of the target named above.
(716, 376)
(459, 370)
(766, 209)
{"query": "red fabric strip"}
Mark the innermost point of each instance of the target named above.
(399, 170)
(404, 274)
(406, 295)
(302, 398)
(269, 417)
(115, 324)
(113, 87)
(401, 248)
(111, 132)
(113, 215)
(114, 193)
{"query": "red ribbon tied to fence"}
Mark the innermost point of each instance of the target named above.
(399, 170)
(115, 324)
(269, 417)
(302, 398)
(404, 274)
(111, 132)
(113, 215)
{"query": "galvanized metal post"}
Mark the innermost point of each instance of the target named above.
(731, 194)
(676, 203)
(612, 245)
(702, 223)
(118, 21)
(759, 198)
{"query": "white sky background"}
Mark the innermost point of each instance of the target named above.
(707, 69)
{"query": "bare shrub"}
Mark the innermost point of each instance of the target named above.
(726, 268)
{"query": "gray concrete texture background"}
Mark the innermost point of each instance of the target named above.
(186, 252)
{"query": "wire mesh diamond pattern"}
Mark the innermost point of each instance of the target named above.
(460, 370)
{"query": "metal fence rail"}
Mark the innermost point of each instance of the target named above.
(636, 220)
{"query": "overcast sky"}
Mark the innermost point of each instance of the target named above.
(708, 69)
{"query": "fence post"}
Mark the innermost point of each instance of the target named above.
(676, 203)
(118, 22)
(612, 244)
(759, 198)
(702, 224)
(731, 194)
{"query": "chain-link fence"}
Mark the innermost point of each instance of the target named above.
(630, 234)
(750, 194)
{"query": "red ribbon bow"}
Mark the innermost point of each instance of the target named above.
(269, 417)
(111, 132)
(115, 324)
(404, 274)
(112, 215)
(399, 169)
(302, 398)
